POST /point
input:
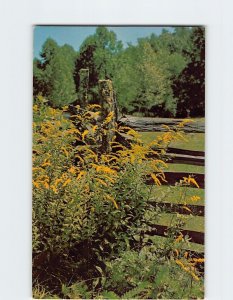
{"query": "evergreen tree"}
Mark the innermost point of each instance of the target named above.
(189, 87)
(62, 82)
(53, 74)
(98, 54)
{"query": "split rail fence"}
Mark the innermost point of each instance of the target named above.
(173, 155)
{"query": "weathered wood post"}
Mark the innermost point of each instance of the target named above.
(83, 87)
(107, 113)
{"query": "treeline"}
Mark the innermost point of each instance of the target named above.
(162, 75)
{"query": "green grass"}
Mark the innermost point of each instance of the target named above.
(177, 195)
(181, 195)
(185, 168)
(195, 223)
(194, 141)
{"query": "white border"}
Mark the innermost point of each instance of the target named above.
(17, 18)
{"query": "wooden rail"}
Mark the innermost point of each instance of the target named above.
(145, 124)
(185, 152)
(182, 156)
(185, 159)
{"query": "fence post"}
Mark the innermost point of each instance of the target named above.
(83, 87)
(107, 110)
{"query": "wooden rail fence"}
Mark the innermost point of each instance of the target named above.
(173, 155)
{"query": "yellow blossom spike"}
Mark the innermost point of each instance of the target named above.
(82, 173)
(46, 163)
(101, 181)
(46, 185)
(113, 200)
(109, 117)
(54, 189)
(193, 181)
(186, 208)
(84, 134)
(156, 180)
(36, 184)
(179, 238)
(195, 198)
(66, 182)
(72, 170)
(198, 260)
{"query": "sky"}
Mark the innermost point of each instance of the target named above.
(75, 35)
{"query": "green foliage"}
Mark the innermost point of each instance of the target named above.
(98, 53)
(53, 74)
(62, 82)
(189, 87)
(146, 275)
(153, 77)
(92, 214)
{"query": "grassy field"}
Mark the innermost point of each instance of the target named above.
(186, 168)
(194, 141)
(195, 223)
(174, 194)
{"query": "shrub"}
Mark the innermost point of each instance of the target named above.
(90, 209)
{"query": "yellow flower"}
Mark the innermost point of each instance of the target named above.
(84, 134)
(54, 189)
(82, 173)
(179, 238)
(193, 181)
(91, 106)
(190, 180)
(186, 208)
(57, 181)
(181, 124)
(109, 117)
(46, 163)
(94, 128)
(66, 182)
(187, 269)
(198, 260)
(104, 169)
(101, 181)
(36, 184)
(45, 183)
(72, 170)
(156, 180)
(113, 200)
(195, 198)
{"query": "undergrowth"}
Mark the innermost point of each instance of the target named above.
(91, 213)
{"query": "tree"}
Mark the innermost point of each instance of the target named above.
(62, 82)
(98, 53)
(53, 73)
(189, 87)
(42, 72)
(142, 82)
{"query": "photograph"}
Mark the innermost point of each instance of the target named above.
(118, 162)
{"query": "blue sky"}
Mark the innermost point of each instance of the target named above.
(75, 35)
